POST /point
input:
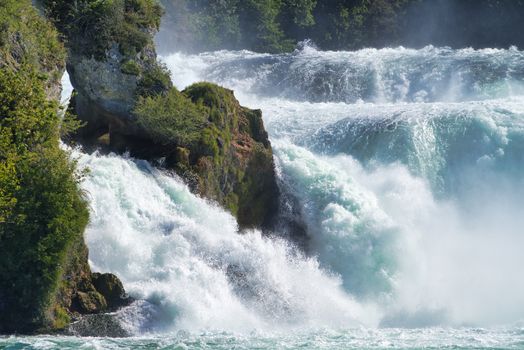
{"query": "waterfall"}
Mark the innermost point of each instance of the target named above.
(406, 167)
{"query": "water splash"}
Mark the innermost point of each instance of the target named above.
(184, 256)
(407, 167)
(387, 75)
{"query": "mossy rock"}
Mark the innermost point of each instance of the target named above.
(130, 67)
(207, 136)
(90, 302)
(111, 288)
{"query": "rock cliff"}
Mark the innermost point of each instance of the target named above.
(45, 279)
(127, 101)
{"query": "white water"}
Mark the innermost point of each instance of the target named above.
(407, 168)
(184, 256)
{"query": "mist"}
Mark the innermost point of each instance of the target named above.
(463, 23)
(198, 26)
(406, 167)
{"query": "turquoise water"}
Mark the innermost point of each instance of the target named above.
(405, 167)
(435, 338)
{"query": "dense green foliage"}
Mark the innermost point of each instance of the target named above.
(357, 23)
(154, 80)
(277, 25)
(192, 118)
(26, 38)
(218, 146)
(41, 208)
(171, 118)
(91, 26)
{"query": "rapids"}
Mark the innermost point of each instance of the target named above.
(406, 167)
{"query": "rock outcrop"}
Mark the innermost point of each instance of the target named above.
(83, 292)
(45, 279)
(128, 103)
(220, 148)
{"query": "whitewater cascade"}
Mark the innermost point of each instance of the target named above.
(407, 167)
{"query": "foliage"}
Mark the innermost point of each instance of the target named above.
(130, 67)
(208, 25)
(155, 80)
(26, 38)
(92, 26)
(171, 118)
(276, 25)
(357, 23)
(41, 209)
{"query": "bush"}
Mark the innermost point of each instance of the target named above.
(170, 119)
(130, 67)
(92, 26)
(26, 38)
(41, 208)
(156, 79)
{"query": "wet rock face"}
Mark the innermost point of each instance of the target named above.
(84, 292)
(104, 325)
(111, 288)
(106, 90)
(90, 302)
(103, 82)
(104, 292)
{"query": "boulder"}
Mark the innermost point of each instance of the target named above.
(89, 303)
(111, 288)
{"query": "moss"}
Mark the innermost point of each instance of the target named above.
(61, 318)
(231, 203)
(28, 39)
(92, 26)
(170, 119)
(111, 289)
(130, 67)
(155, 80)
(209, 145)
(90, 302)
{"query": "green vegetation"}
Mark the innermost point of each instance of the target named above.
(171, 119)
(276, 25)
(92, 26)
(202, 25)
(218, 146)
(42, 211)
(26, 38)
(196, 117)
(155, 80)
(130, 67)
(358, 23)
(41, 208)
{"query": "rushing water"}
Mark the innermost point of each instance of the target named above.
(406, 167)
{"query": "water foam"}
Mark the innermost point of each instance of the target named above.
(384, 247)
(387, 75)
(408, 172)
(184, 256)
